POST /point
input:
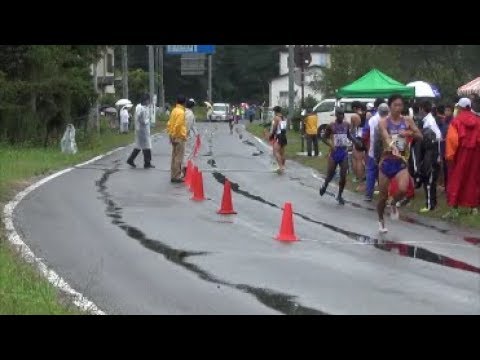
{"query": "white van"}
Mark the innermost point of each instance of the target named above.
(325, 110)
(220, 112)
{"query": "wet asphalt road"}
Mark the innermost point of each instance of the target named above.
(133, 243)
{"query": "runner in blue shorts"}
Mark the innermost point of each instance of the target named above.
(394, 130)
(337, 137)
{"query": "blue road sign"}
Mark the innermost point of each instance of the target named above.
(190, 49)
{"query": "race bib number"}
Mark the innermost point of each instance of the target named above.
(400, 142)
(340, 140)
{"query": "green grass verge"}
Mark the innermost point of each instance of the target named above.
(24, 292)
(22, 289)
(320, 164)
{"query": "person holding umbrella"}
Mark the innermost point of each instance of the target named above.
(124, 117)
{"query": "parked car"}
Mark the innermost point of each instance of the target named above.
(220, 112)
(325, 110)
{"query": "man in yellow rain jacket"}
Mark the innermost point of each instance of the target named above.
(177, 130)
(311, 132)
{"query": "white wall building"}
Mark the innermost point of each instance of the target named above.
(105, 72)
(279, 88)
(320, 57)
(278, 92)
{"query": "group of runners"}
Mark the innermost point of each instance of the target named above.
(390, 137)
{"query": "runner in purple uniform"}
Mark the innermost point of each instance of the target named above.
(337, 137)
(394, 131)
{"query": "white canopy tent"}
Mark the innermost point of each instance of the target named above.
(473, 87)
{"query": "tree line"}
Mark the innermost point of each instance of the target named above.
(241, 73)
(446, 66)
(43, 87)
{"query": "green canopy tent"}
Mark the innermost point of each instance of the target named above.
(375, 84)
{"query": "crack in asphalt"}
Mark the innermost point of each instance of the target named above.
(356, 205)
(281, 302)
(406, 250)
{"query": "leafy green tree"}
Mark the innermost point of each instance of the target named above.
(137, 84)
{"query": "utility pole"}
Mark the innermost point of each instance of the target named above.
(161, 89)
(125, 71)
(302, 57)
(151, 75)
(210, 78)
(96, 117)
(291, 88)
(303, 101)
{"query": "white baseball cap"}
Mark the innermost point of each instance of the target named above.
(383, 108)
(370, 106)
(464, 103)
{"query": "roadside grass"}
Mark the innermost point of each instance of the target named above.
(24, 292)
(466, 218)
(22, 289)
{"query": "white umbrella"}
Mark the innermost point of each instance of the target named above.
(110, 110)
(123, 102)
(422, 89)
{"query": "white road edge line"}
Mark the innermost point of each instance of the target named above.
(15, 239)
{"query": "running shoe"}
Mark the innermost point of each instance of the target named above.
(323, 190)
(381, 227)
(394, 213)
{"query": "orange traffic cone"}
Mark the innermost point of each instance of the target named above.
(227, 205)
(193, 179)
(198, 187)
(287, 231)
(188, 175)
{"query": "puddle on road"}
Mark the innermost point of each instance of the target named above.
(248, 142)
(411, 220)
(236, 188)
(212, 163)
(472, 240)
(403, 217)
(280, 302)
(406, 250)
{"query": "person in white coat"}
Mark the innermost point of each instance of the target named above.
(191, 128)
(124, 118)
(143, 141)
